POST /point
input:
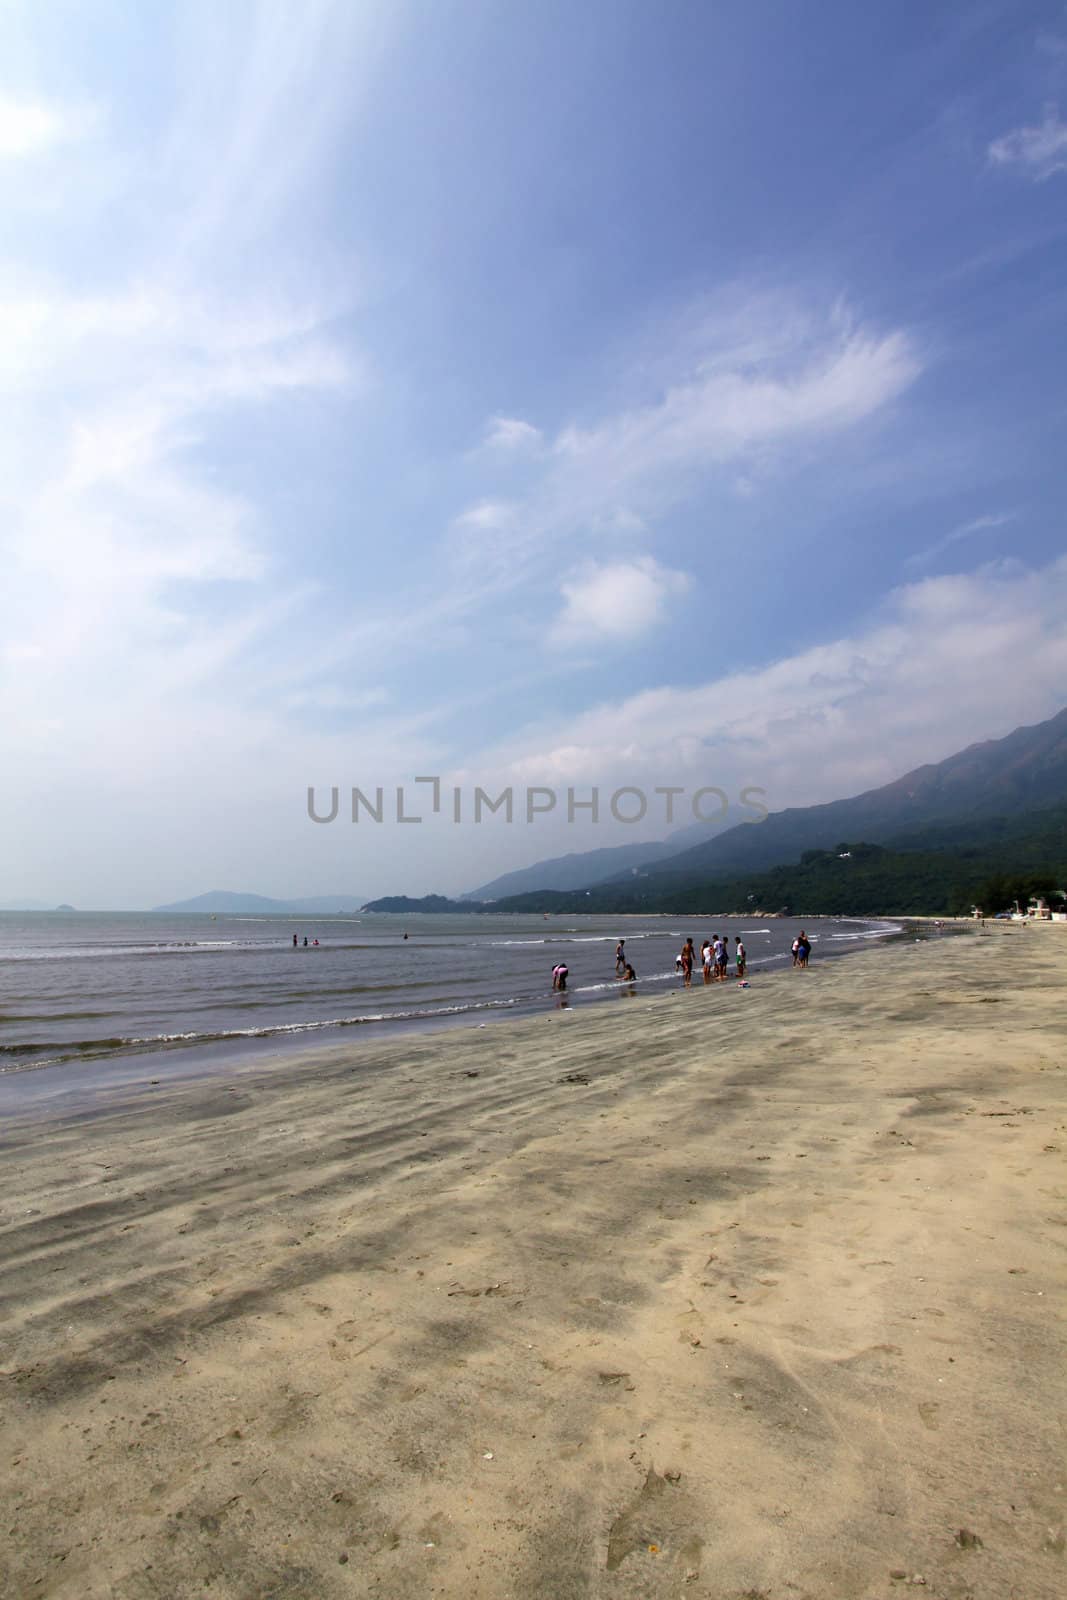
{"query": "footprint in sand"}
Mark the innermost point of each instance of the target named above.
(928, 1410)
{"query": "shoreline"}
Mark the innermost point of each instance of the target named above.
(686, 1298)
(86, 1077)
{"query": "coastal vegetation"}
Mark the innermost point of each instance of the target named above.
(942, 870)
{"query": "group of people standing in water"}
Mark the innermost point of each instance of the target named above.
(715, 959)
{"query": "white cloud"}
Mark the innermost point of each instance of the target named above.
(615, 602)
(488, 516)
(511, 434)
(913, 686)
(102, 412)
(739, 389)
(736, 391)
(967, 530)
(1040, 151)
(724, 414)
(147, 573)
(28, 127)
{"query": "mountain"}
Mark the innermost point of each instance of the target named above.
(1023, 772)
(986, 826)
(226, 901)
(580, 869)
(945, 870)
(859, 880)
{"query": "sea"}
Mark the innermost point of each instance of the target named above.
(167, 991)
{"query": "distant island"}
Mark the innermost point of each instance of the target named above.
(32, 905)
(225, 902)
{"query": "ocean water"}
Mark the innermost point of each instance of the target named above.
(86, 987)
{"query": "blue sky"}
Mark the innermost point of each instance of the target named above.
(550, 394)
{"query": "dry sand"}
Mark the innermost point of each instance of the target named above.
(767, 1307)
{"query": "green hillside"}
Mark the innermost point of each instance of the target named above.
(958, 798)
(856, 879)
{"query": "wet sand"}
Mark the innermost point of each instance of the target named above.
(724, 1294)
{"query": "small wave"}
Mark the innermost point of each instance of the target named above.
(90, 1049)
(623, 983)
(73, 1048)
(163, 947)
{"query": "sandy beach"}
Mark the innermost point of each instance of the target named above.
(725, 1294)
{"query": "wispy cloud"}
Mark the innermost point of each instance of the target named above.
(488, 516)
(142, 570)
(967, 530)
(109, 509)
(723, 414)
(1039, 151)
(743, 385)
(511, 433)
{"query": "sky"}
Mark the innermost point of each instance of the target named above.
(617, 395)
